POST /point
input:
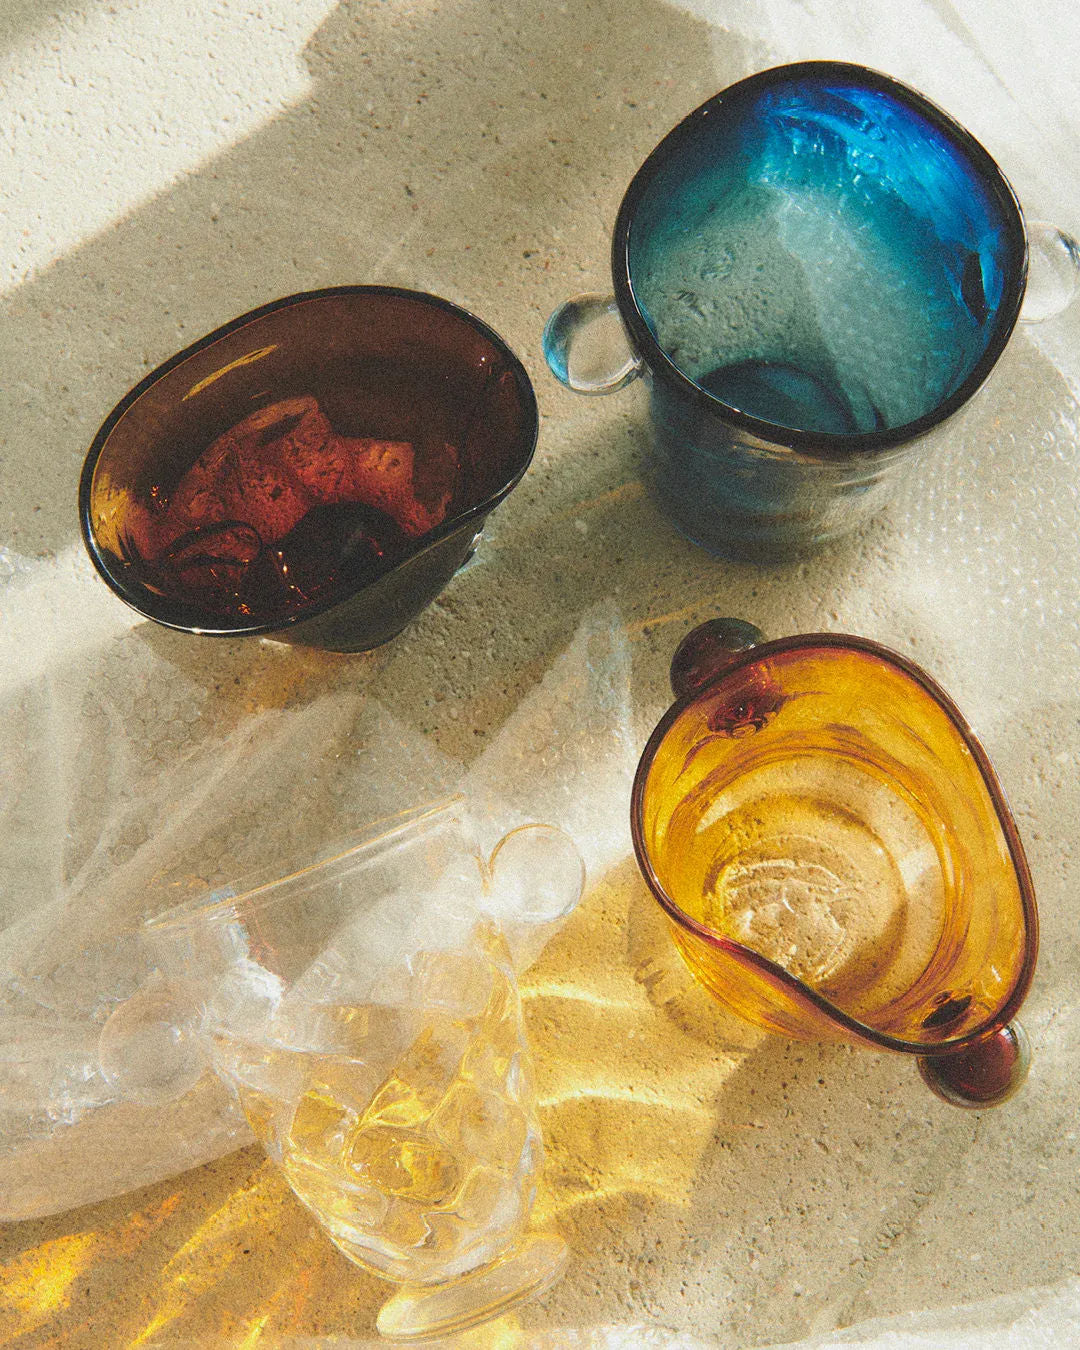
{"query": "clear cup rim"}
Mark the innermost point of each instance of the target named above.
(372, 839)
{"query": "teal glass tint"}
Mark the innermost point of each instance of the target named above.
(824, 253)
(812, 273)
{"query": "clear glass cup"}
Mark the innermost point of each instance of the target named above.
(365, 1012)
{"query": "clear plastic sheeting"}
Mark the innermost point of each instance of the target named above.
(1036, 1319)
(68, 1134)
(568, 753)
(142, 816)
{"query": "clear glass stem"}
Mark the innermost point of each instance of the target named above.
(420, 1311)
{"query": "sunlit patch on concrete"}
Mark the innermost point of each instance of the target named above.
(627, 1097)
(105, 106)
(39, 1283)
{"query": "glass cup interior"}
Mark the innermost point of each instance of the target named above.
(820, 821)
(301, 453)
(823, 250)
(365, 1013)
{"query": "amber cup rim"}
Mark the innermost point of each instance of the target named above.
(166, 611)
(849, 643)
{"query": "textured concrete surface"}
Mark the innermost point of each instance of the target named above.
(164, 171)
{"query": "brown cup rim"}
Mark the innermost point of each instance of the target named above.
(170, 613)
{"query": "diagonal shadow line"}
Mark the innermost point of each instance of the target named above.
(321, 195)
(22, 19)
(100, 111)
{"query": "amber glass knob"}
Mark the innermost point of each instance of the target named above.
(707, 650)
(986, 1074)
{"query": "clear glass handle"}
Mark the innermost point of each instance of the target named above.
(151, 1047)
(1053, 272)
(586, 348)
(537, 877)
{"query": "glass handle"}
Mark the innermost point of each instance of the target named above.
(537, 874)
(586, 347)
(537, 877)
(151, 1047)
(1053, 272)
(986, 1074)
(707, 650)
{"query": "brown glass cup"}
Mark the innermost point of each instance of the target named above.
(420, 398)
(836, 856)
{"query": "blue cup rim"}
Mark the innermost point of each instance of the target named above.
(174, 614)
(824, 445)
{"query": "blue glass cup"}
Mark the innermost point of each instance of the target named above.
(813, 271)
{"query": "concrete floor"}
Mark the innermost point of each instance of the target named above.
(163, 174)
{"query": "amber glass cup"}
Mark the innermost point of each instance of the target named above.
(836, 856)
(316, 470)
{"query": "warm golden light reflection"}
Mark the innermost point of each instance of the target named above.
(253, 1333)
(206, 1256)
(248, 359)
(555, 989)
(626, 1093)
(630, 1058)
(505, 1333)
(142, 1224)
(614, 1091)
(38, 1283)
(632, 490)
(684, 614)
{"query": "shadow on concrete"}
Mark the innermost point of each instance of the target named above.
(697, 1165)
(20, 20)
(480, 153)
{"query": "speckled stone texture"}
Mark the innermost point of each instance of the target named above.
(163, 170)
